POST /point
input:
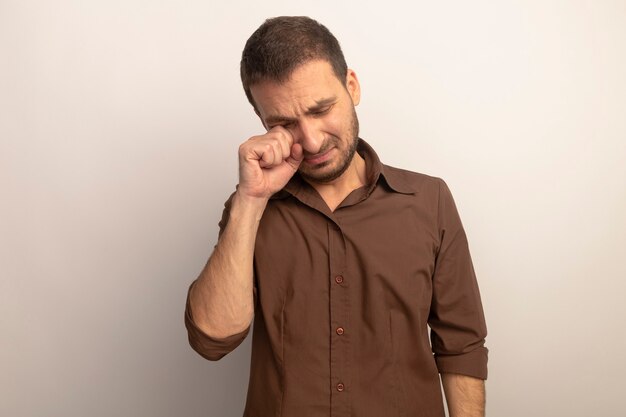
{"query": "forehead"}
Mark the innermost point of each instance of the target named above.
(306, 85)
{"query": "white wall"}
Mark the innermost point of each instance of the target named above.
(119, 124)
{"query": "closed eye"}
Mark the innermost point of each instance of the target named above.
(321, 112)
(286, 125)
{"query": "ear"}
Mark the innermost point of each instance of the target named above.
(353, 86)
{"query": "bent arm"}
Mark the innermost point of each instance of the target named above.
(221, 300)
(465, 395)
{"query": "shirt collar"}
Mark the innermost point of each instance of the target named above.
(375, 172)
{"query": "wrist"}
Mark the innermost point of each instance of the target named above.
(247, 204)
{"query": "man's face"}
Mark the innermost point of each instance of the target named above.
(318, 110)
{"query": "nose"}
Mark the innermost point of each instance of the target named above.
(309, 134)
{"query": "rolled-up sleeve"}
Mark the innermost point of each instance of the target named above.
(209, 347)
(456, 319)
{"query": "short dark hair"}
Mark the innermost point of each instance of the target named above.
(281, 44)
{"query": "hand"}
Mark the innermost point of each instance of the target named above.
(267, 162)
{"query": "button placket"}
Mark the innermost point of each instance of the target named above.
(339, 321)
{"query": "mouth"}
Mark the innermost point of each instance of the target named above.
(319, 158)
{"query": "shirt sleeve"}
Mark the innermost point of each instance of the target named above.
(456, 319)
(208, 347)
(212, 348)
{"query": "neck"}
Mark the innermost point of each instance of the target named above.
(335, 191)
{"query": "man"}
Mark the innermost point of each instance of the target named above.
(343, 262)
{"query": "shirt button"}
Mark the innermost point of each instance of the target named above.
(338, 279)
(340, 387)
(339, 331)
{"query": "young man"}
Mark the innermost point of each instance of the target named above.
(342, 261)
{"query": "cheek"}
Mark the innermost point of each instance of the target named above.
(337, 124)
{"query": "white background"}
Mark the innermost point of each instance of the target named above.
(119, 125)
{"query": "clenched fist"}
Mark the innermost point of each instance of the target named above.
(267, 162)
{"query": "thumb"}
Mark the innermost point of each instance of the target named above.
(296, 157)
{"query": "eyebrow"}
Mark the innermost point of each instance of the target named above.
(319, 105)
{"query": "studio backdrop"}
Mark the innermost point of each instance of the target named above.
(119, 128)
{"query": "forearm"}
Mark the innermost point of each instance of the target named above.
(222, 298)
(465, 395)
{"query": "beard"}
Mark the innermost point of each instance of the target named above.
(345, 159)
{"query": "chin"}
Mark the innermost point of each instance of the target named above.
(322, 175)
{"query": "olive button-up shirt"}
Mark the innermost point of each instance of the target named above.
(345, 301)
